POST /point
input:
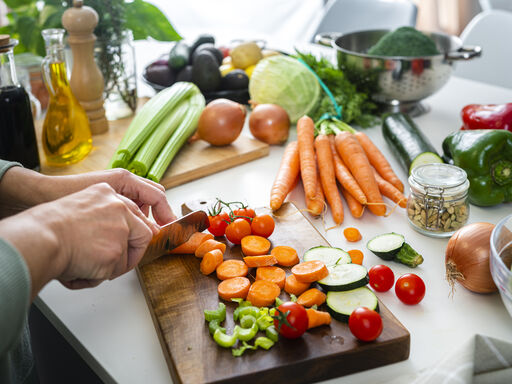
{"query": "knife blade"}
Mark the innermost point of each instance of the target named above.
(174, 234)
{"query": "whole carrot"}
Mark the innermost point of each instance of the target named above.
(316, 204)
(327, 177)
(305, 138)
(354, 157)
(390, 191)
(355, 207)
(286, 176)
(344, 176)
(378, 161)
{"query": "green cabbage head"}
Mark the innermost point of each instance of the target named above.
(284, 81)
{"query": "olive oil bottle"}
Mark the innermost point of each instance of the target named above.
(66, 134)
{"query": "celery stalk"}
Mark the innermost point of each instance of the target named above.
(150, 149)
(146, 120)
(178, 138)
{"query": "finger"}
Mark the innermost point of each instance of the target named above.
(81, 283)
(138, 239)
(143, 207)
(138, 212)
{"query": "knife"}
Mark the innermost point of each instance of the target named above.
(174, 234)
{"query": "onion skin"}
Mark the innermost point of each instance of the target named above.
(468, 256)
(221, 122)
(269, 123)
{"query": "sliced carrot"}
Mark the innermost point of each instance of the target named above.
(285, 256)
(352, 234)
(286, 176)
(310, 271)
(294, 286)
(260, 261)
(232, 268)
(253, 245)
(211, 260)
(311, 297)
(389, 190)
(357, 256)
(379, 161)
(236, 287)
(317, 318)
(263, 293)
(308, 170)
(209, 245)
(317, 203)
(273, 274)
(355, 207)
(192, 244)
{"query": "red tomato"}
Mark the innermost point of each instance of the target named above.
(246, 213)
(218, 224)
(381, 278)
(365, 324)
(296, 317)
(410, 289)
(263, 225)
(237, 230)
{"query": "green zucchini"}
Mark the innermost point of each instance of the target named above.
(386, 246)
(344, 277)
(341, 304)
(409, 145)
(179, 56)
(329, 255)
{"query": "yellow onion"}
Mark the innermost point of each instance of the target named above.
(468, 256)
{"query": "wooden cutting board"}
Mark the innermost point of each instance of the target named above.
(194, 160)
(177, 293)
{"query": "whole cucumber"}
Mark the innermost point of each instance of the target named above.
(179, 56)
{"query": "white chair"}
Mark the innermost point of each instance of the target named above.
(343, 16)
(491, 31)
(488, 5)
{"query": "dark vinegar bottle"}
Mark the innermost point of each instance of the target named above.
(17, 135)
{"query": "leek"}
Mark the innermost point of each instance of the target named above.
(186, 128)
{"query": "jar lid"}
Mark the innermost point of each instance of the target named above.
(439, 179)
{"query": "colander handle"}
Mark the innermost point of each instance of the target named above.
(465, 53)
(326, 38)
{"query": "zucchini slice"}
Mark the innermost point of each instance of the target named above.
(341, 304)
(344, 277)
(329, 255)
(386, 246)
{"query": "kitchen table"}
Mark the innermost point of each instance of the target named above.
(111, 328)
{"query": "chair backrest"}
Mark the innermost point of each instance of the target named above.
(345, 16)
(490, 30)
(488, 5)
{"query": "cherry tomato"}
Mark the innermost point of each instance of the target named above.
(381, 278)
(237, 229)
(365, 324)
(218, 224)
(263, 225)
(410, 289)
(295, 315)
(246, 213)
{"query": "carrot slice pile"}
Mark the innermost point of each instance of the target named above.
(211, 260)
(311, 297)
(232, 268)
(236, 287)
(310, 271)
(192, 244)
(260, 261)
(263, 293)
(273, 274)
(295, 287)
(357, 256)
(285, 256)
(352, 234)
(208, 246)
(253, 245)
(317, 318)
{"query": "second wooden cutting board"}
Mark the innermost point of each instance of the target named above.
(177, 294)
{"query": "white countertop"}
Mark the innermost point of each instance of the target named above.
(111, 327)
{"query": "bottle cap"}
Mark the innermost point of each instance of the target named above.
(7, 43)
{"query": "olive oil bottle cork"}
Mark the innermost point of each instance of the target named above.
(86, 81)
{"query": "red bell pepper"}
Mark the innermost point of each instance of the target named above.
(487, 116)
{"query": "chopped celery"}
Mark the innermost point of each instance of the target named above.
(247, 321)
(216, 314)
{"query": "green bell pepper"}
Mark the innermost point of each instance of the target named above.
(486, 156)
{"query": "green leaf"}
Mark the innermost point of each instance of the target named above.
(51, 16)
(13, 4)
(145, 19)
(30, 34)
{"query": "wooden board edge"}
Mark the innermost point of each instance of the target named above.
(168, 358)
(213, 168)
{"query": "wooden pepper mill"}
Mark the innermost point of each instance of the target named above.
(86, 81)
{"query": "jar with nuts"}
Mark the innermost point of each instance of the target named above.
(438, 204)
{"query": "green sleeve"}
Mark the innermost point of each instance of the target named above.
(5, 165)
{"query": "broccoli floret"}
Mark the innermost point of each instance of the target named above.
(404, 41)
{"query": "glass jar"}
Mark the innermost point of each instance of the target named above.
(438, 204)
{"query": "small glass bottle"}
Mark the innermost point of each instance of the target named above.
(17, 135)
(66, 133)
(438, 204)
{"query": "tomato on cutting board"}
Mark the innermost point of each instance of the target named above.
(291, 320)
(218, 224)
(263, 225)
(365, 324)
(237, 230)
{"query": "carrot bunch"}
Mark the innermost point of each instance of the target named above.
(333, 160)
